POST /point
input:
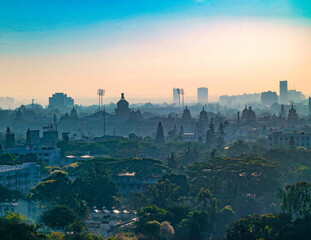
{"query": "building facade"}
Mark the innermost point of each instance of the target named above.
(50, 155)
(279, 139)
(268, 98)
(283, 92)
(20, 177)
(203, 95)
(60, 100)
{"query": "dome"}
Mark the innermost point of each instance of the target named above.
(73, 113)
(203, 114)
(122, 109)
(122, 102)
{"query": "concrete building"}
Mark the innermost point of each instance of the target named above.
(60, 101)
(20, 177)
(203, 95)
(278, 139)
(33, 137)
(283, 93)
(268, 98)
(128, 182)
(50, 155)
(295, 96)
(108, 223)
(176, 97)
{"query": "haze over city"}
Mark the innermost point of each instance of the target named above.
(232, 48)
(155, 120)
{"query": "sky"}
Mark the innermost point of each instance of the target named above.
(144, 48)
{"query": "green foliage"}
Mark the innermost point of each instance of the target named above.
(238, 149)
(7, 194)
(232, 176)
(152, 230)
(255, 227)
(58, 217)
(163, 193)
(97, 189)
(9, 159)
(144, 167)
(151, 213)
(93, 187)
(296, 200)
(137, 200)
(14, 227)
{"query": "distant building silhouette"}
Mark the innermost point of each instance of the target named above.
(292, 115)
(295, 96)
(176, 97)
(283, 93)
(60, 101)
(32, 137)
(310, 106)
(9, 138)
(202, 95)
(160, 134)
(268, 98)
(122, 111)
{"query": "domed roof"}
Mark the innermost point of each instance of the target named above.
(203, 114)
(74, 113)
(122, 102)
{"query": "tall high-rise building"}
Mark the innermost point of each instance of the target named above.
(310, 106)
(283, 92)
(176, 96)
(203, 95)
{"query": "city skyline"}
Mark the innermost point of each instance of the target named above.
(230, 48)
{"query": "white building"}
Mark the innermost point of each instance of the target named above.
(278, 139)
(50, 155)
(203, 95)
(20, 177)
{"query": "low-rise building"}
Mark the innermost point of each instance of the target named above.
(129, 182)
(20, 177)
(50, 155)
(278, 139)
(108, 223)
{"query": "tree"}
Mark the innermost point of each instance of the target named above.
(137, 200)
(239, 149)
(151, 213)
(160, 134)
(266, 226)
(171, 162)
(58, 217)
(152, 230)
(296, 200)
(97, 189)
(14, 227)
(8, 194)
(167, 232)
(8, 159)
(163, 193)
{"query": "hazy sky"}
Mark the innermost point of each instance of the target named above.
(146, 47)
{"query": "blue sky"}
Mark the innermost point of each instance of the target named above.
(129, 43)
(38, 15)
